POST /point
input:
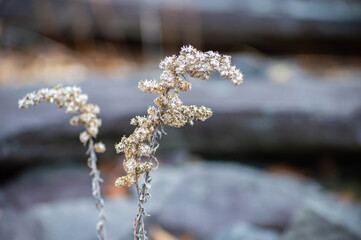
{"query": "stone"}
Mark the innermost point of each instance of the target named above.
(202, 197)
(46, 184)
(68, 219)
(325, 220)
(77, 218)
(256, 116)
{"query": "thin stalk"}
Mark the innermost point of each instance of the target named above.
(99, 202)
(143, 195)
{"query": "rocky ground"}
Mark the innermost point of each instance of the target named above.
(199, 200)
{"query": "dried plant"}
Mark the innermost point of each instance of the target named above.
(75, 102)
(139, 148)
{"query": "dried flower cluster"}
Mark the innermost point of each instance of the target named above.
(75, 102)
(169, 110)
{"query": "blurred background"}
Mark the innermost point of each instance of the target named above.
(278, 160)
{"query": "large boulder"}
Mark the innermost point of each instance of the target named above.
(257, 116)
(201, 198)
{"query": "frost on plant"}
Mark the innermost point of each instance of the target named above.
(75, 102)
(139, 148)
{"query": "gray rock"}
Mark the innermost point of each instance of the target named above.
(324, 220)
(76, 219)
(243, 231)
(48, 184)
(259, 115)
(69, 219)
(203, 197)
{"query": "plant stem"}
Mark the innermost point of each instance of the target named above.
(143, 195)
(99, 202)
